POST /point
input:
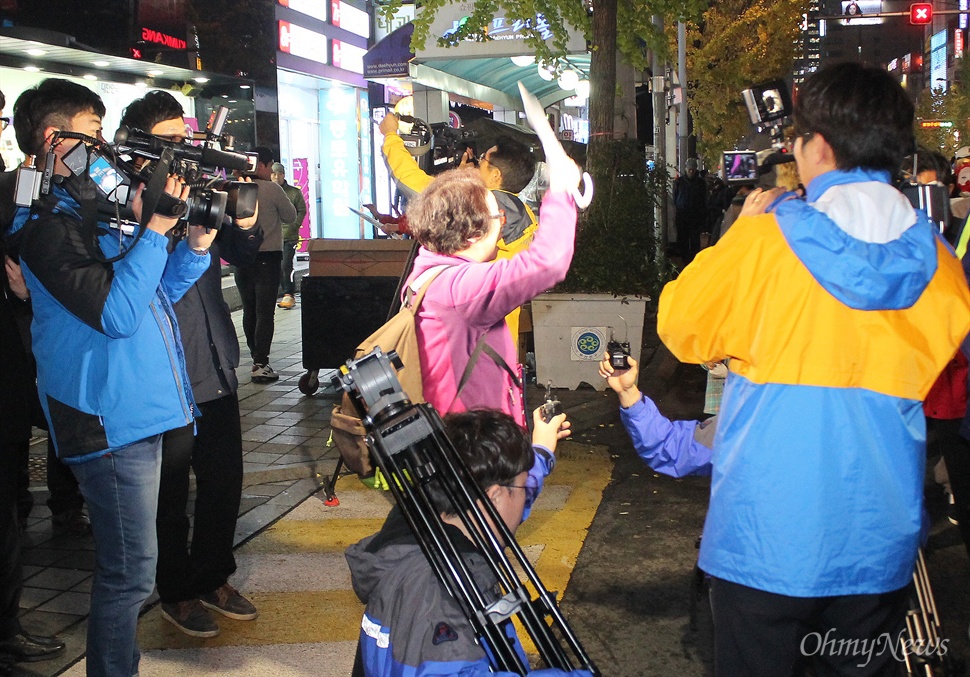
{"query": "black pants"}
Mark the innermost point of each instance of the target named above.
(11, 574)
(761, 633)
(688, 235)
(946, 440)
(215, 455)
(286, 273)
(257, 284)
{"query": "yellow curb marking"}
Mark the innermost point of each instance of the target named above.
(333, 616)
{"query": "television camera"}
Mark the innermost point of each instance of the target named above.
(437, 147)
(769, 107)
(104, 177)
(409, 444)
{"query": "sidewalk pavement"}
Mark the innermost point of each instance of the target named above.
(292, 567)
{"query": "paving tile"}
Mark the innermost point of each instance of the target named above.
(260, 457)
(288, 439)
(55, 578)
(263, 433)
(48, 623)
(74, 603)
(31, 598)
(43, 557)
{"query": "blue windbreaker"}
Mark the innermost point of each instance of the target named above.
(110, 368)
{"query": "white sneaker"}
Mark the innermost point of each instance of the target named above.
(263, 373)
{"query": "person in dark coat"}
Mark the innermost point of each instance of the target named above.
(690, 198)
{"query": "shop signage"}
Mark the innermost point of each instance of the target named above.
(348, 56)
(302, 42)
(315, 8)
(390, 57)
(348, 17)
(159, 38)
(339, 163)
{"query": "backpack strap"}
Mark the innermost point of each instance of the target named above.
(414, 294)
(483, 347)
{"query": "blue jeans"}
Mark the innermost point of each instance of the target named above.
(121, 492)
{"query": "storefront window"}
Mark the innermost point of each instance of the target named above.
(324, 133)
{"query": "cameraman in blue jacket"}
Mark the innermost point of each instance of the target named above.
(110, 370)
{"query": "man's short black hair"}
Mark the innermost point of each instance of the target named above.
(495, 447)
(146, 112)
(264, 155)
(52, 103)
(861, 111)
(515, 161)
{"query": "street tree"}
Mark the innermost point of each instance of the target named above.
(736, 44)
(951, 105)
(625, 27)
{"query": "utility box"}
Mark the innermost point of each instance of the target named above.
(571, 332)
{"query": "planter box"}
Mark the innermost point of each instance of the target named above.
(572, 330)
(358, 258)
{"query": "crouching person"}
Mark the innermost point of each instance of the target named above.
(412, 625)
(110, 371)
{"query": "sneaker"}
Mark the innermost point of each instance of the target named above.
(263, 373)
(191, 618)
(227, 601)
(951, 509)
(74, 522)
(287, 302)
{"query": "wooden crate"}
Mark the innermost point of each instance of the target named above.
(358, 258)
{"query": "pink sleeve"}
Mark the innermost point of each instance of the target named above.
(486, 292)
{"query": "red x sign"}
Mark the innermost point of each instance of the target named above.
(921, 13)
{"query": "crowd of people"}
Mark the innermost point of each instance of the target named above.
(827, 315)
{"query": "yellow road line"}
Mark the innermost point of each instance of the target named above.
(284, 618)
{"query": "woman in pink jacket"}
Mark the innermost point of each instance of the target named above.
(458, 223)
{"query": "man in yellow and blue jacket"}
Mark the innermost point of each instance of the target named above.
(837, 312)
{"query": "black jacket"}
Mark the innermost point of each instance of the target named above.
(208, 335)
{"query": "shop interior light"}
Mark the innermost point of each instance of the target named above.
(89, 76)
(244, 87)
(547, 73)
(100, 64)
(36, 52)
(155, 72)
(200, 80)
(569, 79)
(141, 83)
(582, 89)
(32, 69)
(523, 61)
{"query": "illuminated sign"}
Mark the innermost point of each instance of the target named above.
(349, 57)
(315, 8)
(348, 17)
(500, 28)
(964, 4)
(921, 13)
(938, 61)
(302, 42)
(958, 44)
(159, 38)
(936, 124)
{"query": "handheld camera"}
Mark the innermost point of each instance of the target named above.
(552, 407)
(740, 166)
(768, 103)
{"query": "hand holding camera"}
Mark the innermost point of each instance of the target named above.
(548, 433)
(176, 187)
(622, 381)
